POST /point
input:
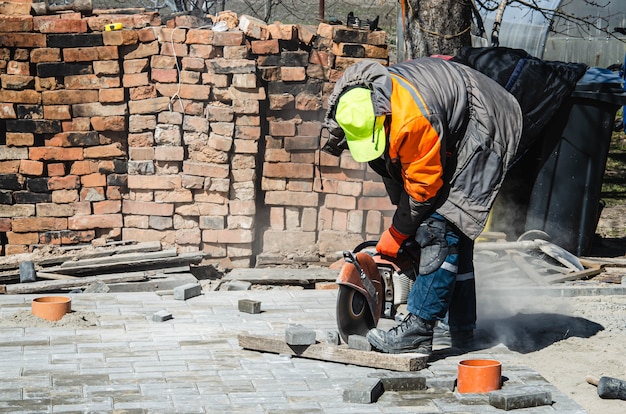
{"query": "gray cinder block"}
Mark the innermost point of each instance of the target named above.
(364, 391)
(249, 306)
(359, 342)
(519, 397)
(299, 335)
(161, 316)
(187, 291)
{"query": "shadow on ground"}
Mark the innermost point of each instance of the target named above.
(530, 332)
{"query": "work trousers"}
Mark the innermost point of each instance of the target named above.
(450, 291)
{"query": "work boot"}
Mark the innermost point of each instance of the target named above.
(441, 335)
(414, 334)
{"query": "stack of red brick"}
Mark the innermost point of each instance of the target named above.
(165, 132)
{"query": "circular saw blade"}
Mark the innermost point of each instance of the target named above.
(353, 313)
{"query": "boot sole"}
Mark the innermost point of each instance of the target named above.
(389, 350)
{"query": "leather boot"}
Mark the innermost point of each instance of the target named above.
(414, 334)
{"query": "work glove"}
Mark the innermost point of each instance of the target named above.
(390, 242)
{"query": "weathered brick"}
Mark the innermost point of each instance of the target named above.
(131, 80)
(20, 139)
(375, 203)
(22, 238)
(45, 54)
(75, 40)
(84, 167)
(265, 47)
(149, 106)
(287, 170)
(252, 27)
(143, 208)
(114, 95)
(105, 151)
(162, 182)
(7, 111)
(34, 224)
(17, 210)
(31, 40)
(73, 139)
(54, 210)
(56, 169)
(16, 23)
(95, 221)
(199, 36)
(228, 236)
(108, 123)
(64, 196)
(291, 198)
(62, 26)
(55, 153)
(64, 97)
(57, 112)
(120, 37)
(28, 167)
(89, 110)
(23, 97)
(85, 54)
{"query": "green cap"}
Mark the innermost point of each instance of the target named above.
(365, 133)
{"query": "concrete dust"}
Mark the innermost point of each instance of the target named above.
(563, 339)
(73, 319)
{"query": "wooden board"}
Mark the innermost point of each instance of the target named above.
(51, 285)
(335, 353)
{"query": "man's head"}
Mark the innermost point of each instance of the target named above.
(365, 132)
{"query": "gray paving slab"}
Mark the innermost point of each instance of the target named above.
(192, 363)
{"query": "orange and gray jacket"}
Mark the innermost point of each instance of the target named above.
(452, 133)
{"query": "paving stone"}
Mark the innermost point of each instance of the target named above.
(519, 397)
(359, 342)
(249, 306)
(401, 381)
(187, 291)
(364, 391)
(299, 335)
(162, 316)
(333, 338)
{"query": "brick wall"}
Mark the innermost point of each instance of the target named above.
(207, 140)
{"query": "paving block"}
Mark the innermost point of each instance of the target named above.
(249, 306)
(401, 381)
(359, 342)
(187, 291)
(364, 391)
(520, 397)
(299, 335)
(444, 382)
(162, 316)
(232, 285)
(333, 338)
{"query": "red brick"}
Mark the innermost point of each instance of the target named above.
(108, 123)
(143, 208)
(288, 74)
(162, 182)
(5, 225)
(56, 154)
(64, 97)
(107, 207)
(93, 180)
(130, 80)
(91, 194)
(120, 37)
(139, 65)
(287, 170)
(28, 224)
(199, 36)
(163, 153)
(147, 34)
(64, 196)
(63, 183)
(95, 221)
(141, 235)
(22, 238)
(114, 95)
(16, 23)
(7, 111)
(292, 198)
(228, 236)
(84, 167)
(282, 128)
(9, 167)
(174, 49)
(76, 124)
(165, 75)
(32, 40)
(59, 112)
(56, 170)
(375, 203)
(45, 55)
(228, 38)
(20, 139)
(86, 54)
(23, 97)
(28, 167)
(265, 47)
(141, 92)
(105, 151)
(54, 210)
(63, 26)
(91, 82)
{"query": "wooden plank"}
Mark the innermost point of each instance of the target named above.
(283, 275)
(50, 285)
(335, 353)
(581, 274)
(144, 264)
(118, 258)
(525, 267)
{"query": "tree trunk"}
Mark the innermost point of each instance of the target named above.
(435, 27)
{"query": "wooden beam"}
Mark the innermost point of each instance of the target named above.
(335, 353)
(51, 285)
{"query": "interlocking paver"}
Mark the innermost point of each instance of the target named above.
(193, 363)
